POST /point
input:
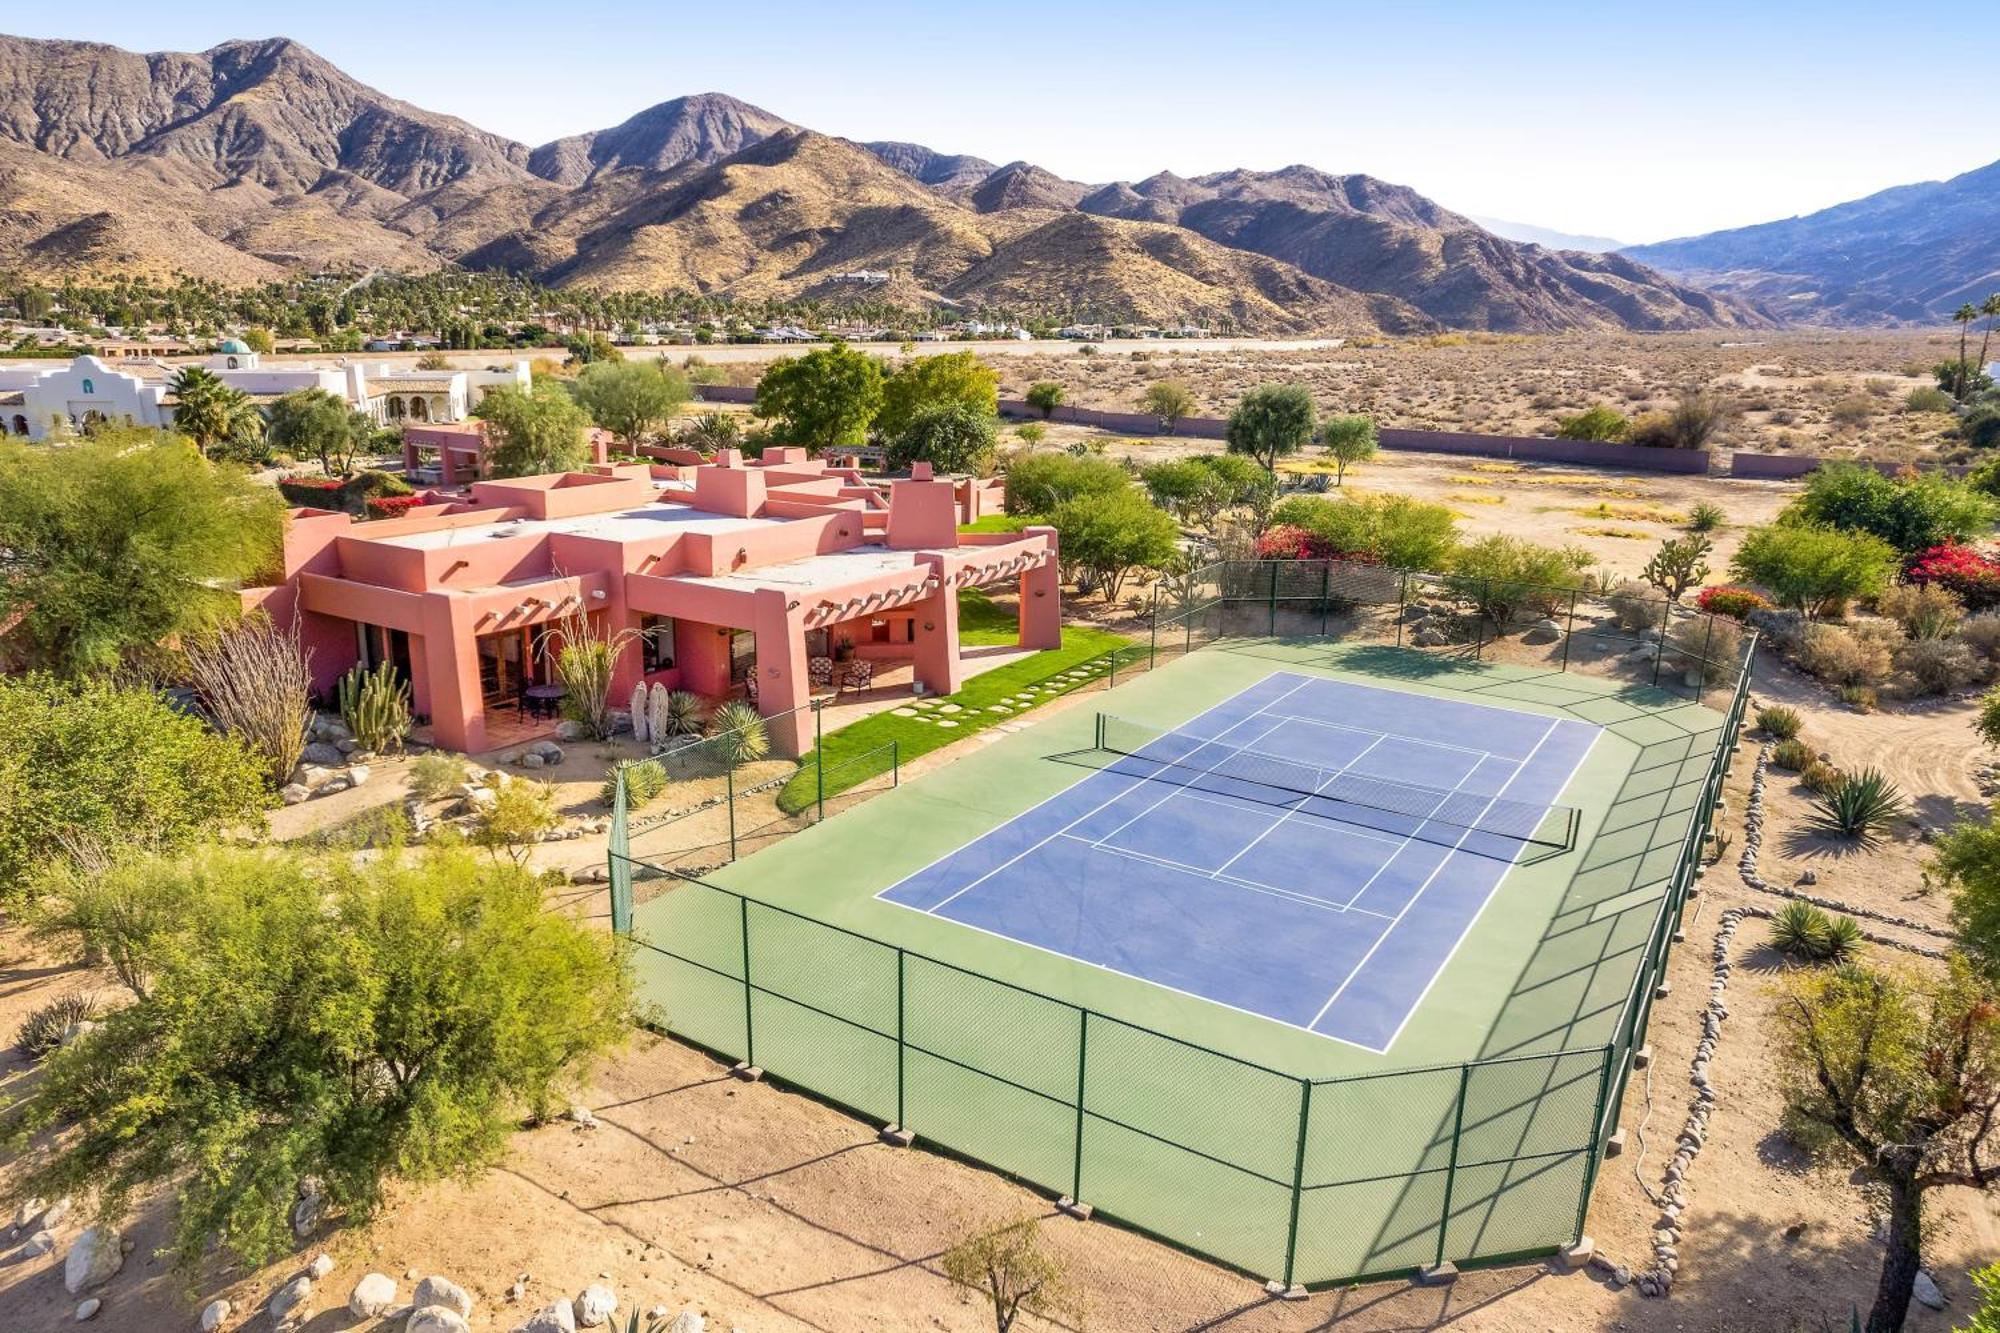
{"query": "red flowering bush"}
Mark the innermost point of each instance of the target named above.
(1285, 542)
(392, 506)
(1965, 570)
(1726, 599)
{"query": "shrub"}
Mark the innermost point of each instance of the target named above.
(645, 779)
(520, 812)
(1861, 655)
(1928, 400)
(1911, 513)
(1861, 698)
(1819, 776)
(1396, 530)
(1987, 724)
(1635, 606)
(375, 705)
(391, 506)
(1726, 599)
(1791, 755)
(1781, 722)
(1506, 576)
(436, 774)
(1706, 517)
(255, 684)
(1288, 542)
(47, 1025)
(1968, 573)
(1924, 610)
(1805, 932)
(743, 726)
(1594, 423)
(1981, 633)
(1712, 644)
(1940, 666)
(1861, 806)
(1038, 481)
(1815, 568)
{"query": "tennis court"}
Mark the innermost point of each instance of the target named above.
(1309, 850)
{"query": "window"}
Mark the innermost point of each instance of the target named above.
(88, 387)
(656, 643)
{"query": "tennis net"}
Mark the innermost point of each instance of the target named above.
(1227, 770)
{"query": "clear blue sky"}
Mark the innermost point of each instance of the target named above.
(1638, 122)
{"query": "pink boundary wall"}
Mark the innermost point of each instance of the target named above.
(339, 574)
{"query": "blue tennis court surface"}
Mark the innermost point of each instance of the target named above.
(1310, 850)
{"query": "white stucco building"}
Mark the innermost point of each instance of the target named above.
(35, 395)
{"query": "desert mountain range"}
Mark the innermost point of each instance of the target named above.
(259, 158)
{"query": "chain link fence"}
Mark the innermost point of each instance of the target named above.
(1292, 1179)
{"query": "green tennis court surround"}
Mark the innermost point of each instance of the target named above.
(1473, 1135)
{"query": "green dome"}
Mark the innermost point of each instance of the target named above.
(235, 346)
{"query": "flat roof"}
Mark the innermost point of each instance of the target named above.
(643, 523)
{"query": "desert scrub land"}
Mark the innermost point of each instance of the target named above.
(1819, 393)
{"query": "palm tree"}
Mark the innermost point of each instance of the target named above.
(209, 411)
(1965, 314)
(1990, 308)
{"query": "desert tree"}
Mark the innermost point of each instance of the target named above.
(1105, 537)
(1813, 568)
(316, 424)
(520, 812)
(1045, 396)
(329, 1018)
(934, 381)
(824, 399)
(1898, 1074)
(951, 436)
(1990, 308)
(1167, 401)
(631, 399)
(1348, 440)
(118, 545)
(1272, 421)
(255, 683)
(534, 430)
(1012, 1268)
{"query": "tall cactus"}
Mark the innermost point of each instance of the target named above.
(656, 714)
(376, 707)
(641, 731)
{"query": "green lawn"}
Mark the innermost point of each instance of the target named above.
(998, 523)
(859, 751)
(980, 622)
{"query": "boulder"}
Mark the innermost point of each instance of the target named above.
(569, 729)
(687, 1321)
(321, 753)
(321, 1265)
(289, 1298)
(39, 1244)
(213, 1314)
(443, 1291)
(87, 1310)
(92, 1260)
(357, 774)
(557, 1317)
(532, 760)
(294, 793)
(57, 1211)
(312, 776)
(374, 1294)
(551, 753)
(436, 1319)
(595, 1305)
(1926, 1291)
(1542, 631)
(25, 1215)
(305, 1213)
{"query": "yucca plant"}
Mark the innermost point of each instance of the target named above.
(1801, 931)
(1781, 722)
(1792, 755)
(1860, 806)
(740, 729)
(375, 705)
(1843, 939)
(645, 779)
(44, 1029)
(681, 714)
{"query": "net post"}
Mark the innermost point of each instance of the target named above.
(819, 756)
(1569, 628)
(729, 799)
(1451, 1170)
(1082, 1049)
(901, 1049)
(1098, 736)
(749, 1028)
(1298, 1180)
(1325, 595)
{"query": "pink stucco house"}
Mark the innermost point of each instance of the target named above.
(733, 576)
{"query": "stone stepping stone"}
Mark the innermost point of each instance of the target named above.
(946, 722)
(999, 708)
(905, 712)
(925, 704)
(951, 708)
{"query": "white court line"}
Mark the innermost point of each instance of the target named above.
(1387, 735)
(1344, 828)
(1429, 879)
(1170, 794)
(1027, 851)
(1236, 881)
(1294, 809)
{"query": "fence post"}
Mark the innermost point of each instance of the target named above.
(895, 763)
(1596, 1127)
(900, 1047)
(1451, 1171)
(819, 756)
(749, 1028)
(1479, 626)
(1660, 650)
(1707, 640)
(1082, 1047)
(1402, 603)
(1153, 631)
(729, 797)
(1325, 595)
(1298, 1179)
(1569, 628)
(1273, 596)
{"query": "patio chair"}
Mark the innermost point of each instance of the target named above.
(750, 687)
(860, 674)
(819, 671)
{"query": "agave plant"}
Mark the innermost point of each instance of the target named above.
(682, 714)
(645, 779)
(1843, 940)
(44, 1029)
(1861, 806)
(1800, 930)
(739, 728)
